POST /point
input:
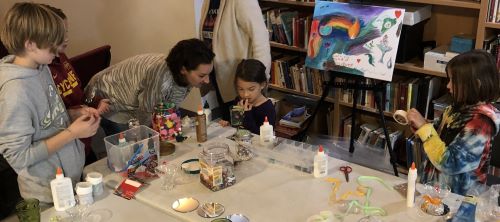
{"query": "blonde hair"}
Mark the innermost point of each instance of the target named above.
(29, 21)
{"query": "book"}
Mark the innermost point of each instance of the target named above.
(295, 122)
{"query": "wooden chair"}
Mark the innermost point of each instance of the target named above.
(89, 63)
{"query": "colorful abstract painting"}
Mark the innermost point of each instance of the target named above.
(355, 39)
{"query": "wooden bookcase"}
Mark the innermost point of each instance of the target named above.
(449, 17)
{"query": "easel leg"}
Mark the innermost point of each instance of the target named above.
(301, 135)
(378, 100)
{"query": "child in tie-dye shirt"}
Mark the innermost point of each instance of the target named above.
(458, 144)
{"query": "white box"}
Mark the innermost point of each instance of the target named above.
(437, 59)
(414, 13)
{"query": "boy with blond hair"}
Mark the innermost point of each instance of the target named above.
(36, 133)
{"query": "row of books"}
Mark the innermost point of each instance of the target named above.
(402, 93)
(491, 44)
(288, 71)
(493, 11)
(287, 26)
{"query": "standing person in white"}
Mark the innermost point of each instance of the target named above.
(234, 30)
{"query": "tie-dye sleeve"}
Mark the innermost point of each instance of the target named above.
(463, 154)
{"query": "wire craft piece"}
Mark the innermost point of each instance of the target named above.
(354, 206)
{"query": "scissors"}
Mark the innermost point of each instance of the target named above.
(346, 170)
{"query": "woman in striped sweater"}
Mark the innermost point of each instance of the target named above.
(458, 143)
(135, 85)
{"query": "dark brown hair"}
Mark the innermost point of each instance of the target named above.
(474, 78)
(189, 53)
(251, 70)
(58, 11)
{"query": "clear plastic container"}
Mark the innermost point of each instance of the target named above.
(141, 141)
(216, 167)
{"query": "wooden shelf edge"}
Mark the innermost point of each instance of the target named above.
(287, 47)
(412, 67)
(367, 109)
(493, 25)
(290, 2)
(313, 96)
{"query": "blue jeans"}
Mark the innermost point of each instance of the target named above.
(111, 128)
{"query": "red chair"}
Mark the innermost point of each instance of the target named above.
(89, 63)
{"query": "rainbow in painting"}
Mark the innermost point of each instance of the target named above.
(355, 39)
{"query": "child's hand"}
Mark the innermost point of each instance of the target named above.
(85, 126)
(223, 123)
(415, 119)
(247, 106)
(103, 106)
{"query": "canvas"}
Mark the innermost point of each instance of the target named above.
(355, 39)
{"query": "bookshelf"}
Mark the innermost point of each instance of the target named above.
(443, 24)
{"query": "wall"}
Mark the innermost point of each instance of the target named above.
(131, 27)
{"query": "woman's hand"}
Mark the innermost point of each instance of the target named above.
(415, 119)
(103, 106)
(247, 106)
(85, 126)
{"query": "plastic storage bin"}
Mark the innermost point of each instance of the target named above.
(141, 141)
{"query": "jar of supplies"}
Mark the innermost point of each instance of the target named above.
(95, 179)
(216, 167)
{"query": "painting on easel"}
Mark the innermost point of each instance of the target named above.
(355, 39)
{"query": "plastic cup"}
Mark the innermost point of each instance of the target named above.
(167, 173)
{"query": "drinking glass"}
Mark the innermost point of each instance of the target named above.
(167, 173)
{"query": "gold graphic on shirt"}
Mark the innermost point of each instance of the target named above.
(65, 87)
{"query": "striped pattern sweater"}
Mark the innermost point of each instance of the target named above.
(459, 155)
(134, 86)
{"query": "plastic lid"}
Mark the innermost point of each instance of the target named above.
(83, 188)
(320, 149)
(266, 122)
(94, 178)
(59, 173)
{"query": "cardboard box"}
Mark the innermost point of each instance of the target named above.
(437, 59)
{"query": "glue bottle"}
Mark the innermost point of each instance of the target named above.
(121, 140)
(62, 191)
(320, 163)
(266, 134)
(201, 126)
(410, 191)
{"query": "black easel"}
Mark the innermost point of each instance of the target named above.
(378, 90)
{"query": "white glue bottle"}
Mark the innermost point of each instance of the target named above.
(62, 191)
(266, 134)
(320, 163)
(410, 191)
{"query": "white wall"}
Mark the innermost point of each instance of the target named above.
(131, 27)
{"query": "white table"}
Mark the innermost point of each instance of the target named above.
(269, 192)
(118, 209)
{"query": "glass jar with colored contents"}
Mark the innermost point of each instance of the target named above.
(216, 167)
